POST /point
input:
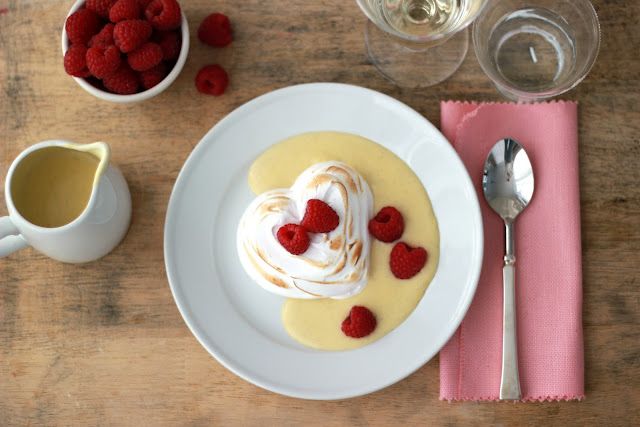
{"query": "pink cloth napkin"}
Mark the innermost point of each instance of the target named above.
(548, 258)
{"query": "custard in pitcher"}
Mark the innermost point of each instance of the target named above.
(52, 186)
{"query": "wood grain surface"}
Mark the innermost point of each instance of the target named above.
(104, 344)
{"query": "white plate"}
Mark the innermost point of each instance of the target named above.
(237, 321)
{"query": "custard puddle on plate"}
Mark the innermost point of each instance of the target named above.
(316, 323)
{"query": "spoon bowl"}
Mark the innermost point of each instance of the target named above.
(508, 179)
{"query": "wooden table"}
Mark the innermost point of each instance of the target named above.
(103, 343)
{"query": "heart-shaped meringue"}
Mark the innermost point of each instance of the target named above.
(336, 263)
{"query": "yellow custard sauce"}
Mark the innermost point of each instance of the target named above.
(316, 323)
(53, 185)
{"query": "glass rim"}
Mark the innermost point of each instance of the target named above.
(549, 93)
(364, 6)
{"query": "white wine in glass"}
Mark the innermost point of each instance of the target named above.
(418, 42)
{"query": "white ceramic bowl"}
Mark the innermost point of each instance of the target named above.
(140, 96)
(240, 323)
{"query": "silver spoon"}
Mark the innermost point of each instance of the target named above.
(508, 187)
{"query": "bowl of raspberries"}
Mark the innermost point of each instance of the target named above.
(125, 50)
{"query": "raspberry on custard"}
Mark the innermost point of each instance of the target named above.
(145, 57)
(293, 238)
(104, 37)
(212, 80)
(359, 323)
(101, 7)
(164, 15)
(406, 261)
(131, 34)
(387, 225)
(75, 62)
(123, 10)
(215, 30)
(123, 81)
(153, 76)
(81, 25)
(319, 217)
(102, 60)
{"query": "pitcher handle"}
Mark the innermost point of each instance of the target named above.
(10, 238)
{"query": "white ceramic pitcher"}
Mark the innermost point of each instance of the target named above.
(92, 234)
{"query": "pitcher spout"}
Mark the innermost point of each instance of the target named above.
(101, 151)
(102, 203)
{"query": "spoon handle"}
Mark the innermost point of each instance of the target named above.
(510, 381)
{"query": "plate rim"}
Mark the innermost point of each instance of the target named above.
(169, 222)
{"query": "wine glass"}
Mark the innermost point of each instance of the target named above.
(418, 43)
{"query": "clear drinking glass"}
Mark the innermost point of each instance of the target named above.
(418, 42)
(536, 49)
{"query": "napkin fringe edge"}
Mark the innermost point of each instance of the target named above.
(478, 103)
(487, 399)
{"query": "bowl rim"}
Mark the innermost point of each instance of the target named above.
(140, 96)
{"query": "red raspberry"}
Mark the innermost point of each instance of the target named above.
(153, 76)
(359, 323)
(212, 80)
(129, 35)
(81, 25)
(405, 261)
(103, 61)
(104, 37)
(164, 14)
(387, 225)
(170, 42)
(123, 10)
(144, 3)
(293, 238)
(101, 7)
(319, 217)
(123, 82)
(215, 30)
(75, 63)
(145, 57)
